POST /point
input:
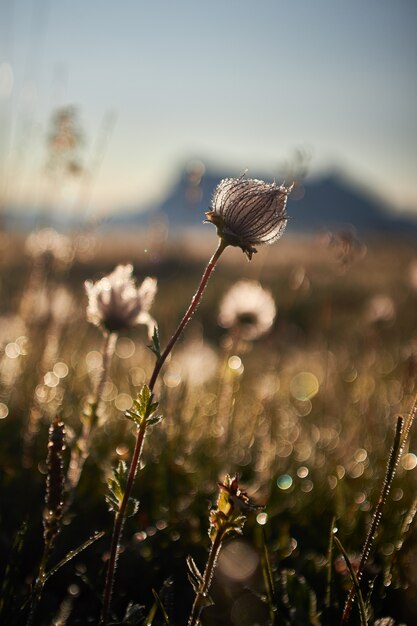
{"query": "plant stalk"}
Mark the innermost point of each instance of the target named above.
(201, 595)
(140, 436)
(81, 451)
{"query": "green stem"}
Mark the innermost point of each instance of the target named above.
(141, 432)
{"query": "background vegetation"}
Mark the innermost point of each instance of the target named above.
(305, 414)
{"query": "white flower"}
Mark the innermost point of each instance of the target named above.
(247, 309)
(249, 212)
(116, 303)
(48, 243)
(195, 362)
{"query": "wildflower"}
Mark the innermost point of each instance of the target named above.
(116, 303)
(232, 504)
(47, 243)
(195, 363)
(249, 212)
(226, 519)
(380, 308)
(248, 309)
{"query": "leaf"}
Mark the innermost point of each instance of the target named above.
(194, 575)
(74, 553)
(161, 607)
(143, 408)
(355, 582)
(154, 419)
(268, 577)
(132, 507)
(134, 614)
(117, 488)
(155, 347)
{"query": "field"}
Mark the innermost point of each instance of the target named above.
(305, 413)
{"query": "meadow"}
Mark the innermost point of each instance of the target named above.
(304, 411)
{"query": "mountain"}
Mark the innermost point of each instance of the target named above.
(328, 203)
(331, 202)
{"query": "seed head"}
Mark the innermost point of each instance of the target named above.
(115, 303)
(54, 497)
(249, 212)
(247, 309)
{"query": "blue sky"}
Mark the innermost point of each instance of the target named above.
(238, 84)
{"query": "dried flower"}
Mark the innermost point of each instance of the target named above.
(249, 212)
(116, 303)
(247, 309)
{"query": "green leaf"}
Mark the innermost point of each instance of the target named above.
(155, 347)
(117, 488)
(143, 408)
(154, 419)
(194, 575)
(132, 507)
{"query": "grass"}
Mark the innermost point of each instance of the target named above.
(306, 415)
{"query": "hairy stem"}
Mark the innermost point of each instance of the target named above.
(393, 460)
(201, 595)
(140, 437)
(188, 314)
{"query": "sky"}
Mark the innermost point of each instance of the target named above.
(238, 84)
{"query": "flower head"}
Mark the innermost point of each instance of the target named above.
(195, 363)
(232, 504)
(48, 244)
(116, 303)
(247, 309)
(249, 212)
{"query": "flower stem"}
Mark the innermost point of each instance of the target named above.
(189, 312)
(140, 437)
(201, 595)
(81, 451)
(39, 583)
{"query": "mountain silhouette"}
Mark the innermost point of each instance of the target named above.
(331, 202)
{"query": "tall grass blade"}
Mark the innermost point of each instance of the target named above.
(355, 582)
(401, 435)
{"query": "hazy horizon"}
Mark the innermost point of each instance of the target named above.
(155, 85)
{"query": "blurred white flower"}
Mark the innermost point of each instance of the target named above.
(380, 308)
(116, 303)
(248, 212)
(62, 305)
(48, 243)
(247, 309)
(195, 363)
